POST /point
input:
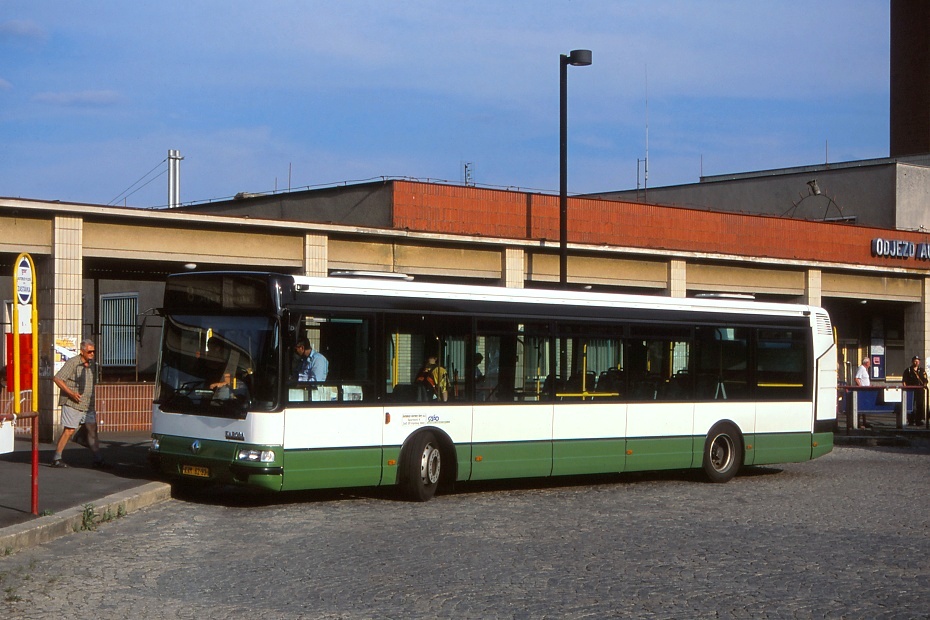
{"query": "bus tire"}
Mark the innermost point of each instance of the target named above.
(723, 452)
(422, 469)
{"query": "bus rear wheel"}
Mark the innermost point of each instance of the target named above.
(422, 469)
(723, 452)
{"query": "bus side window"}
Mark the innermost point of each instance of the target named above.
(722, 363)
(781, 357)
(508, 370)
(341, 365)
(352, 392)
(660, 363)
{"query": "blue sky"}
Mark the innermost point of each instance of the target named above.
(259, 95)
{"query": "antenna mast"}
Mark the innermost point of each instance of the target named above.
(646, 166)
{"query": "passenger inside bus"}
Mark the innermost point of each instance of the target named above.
(432, 381)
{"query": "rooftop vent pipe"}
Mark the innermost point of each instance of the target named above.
(174, 179)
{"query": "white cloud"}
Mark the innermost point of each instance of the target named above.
(22, 30)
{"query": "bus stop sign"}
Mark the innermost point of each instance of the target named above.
(24, 281)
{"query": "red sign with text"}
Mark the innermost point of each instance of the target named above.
(25, 362)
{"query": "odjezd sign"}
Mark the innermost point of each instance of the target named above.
(900, 249)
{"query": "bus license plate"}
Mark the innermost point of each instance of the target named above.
(193, 470)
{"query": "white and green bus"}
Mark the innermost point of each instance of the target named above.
(540, 383)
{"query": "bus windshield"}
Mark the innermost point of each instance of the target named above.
(218, 365)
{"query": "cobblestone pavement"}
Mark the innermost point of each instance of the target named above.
(847, 535)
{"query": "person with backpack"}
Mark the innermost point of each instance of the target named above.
(434, 379)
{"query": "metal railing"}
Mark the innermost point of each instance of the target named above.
(25, 404)
(895, 403)
(121, 407)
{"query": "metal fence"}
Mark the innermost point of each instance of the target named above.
(25, 404)
(121, 407)
(891, 406)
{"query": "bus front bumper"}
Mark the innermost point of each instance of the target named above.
(215, 462)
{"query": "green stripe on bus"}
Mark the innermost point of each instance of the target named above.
(782, 448)
(372, 466)
(660, 453)
(522, 459)
(821, 443)
(587, 456)
(332, 468)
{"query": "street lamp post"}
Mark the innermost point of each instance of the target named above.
(577, 58)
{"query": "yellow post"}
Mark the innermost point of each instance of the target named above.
(23, 294)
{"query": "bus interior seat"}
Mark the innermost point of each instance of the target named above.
(579, 381)
(679, 386)
(610, 380)
(403, 393)
(646, 387)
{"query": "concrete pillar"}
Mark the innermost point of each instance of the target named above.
(316, 255)
(813, 288)
(513, 267)
(917, 325)
(65, 280)
(45, 348)
(677, 285)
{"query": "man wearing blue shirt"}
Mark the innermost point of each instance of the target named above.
(311, 365)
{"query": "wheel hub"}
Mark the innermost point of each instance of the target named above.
(429, 464)
(721, 452)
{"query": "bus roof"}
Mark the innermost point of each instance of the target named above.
(554, 297)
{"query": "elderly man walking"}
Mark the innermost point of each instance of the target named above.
(76, 380)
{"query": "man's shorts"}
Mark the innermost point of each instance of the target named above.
(72, 418)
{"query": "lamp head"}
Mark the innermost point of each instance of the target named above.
(579, 58)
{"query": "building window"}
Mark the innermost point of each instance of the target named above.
(117, 345)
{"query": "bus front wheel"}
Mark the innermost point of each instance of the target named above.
(723, 452)
(423, 466)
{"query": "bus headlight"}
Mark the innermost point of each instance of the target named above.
(256, 456)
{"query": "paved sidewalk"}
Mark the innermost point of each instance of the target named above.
(63, 494)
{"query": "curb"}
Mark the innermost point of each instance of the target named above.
(884, 440)
(44, 529)
(872, 441)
